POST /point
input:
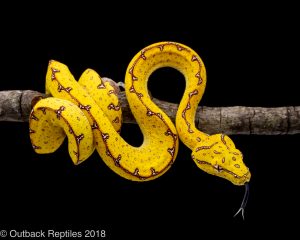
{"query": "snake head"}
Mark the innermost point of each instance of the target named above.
(217, 155)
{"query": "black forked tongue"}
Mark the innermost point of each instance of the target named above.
(244, 202)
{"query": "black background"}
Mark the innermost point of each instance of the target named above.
(251, 56)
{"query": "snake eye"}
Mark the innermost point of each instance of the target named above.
(218, 168)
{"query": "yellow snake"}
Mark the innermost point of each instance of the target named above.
(89, 114)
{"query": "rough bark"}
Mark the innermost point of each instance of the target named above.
(16, 105)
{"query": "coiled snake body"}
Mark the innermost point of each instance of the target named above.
(88, 112)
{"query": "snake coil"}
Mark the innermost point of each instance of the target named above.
(88, 112)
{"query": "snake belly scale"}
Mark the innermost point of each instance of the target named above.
(97, 119)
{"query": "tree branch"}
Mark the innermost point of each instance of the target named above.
(15, 106)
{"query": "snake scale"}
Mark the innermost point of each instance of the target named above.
(88, 112)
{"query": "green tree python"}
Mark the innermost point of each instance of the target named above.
(88, 113)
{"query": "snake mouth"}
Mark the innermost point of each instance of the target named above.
(238, 180)
(242, 180)
(247, 176)
(223, 172)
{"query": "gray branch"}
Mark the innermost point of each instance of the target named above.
(15, 106)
